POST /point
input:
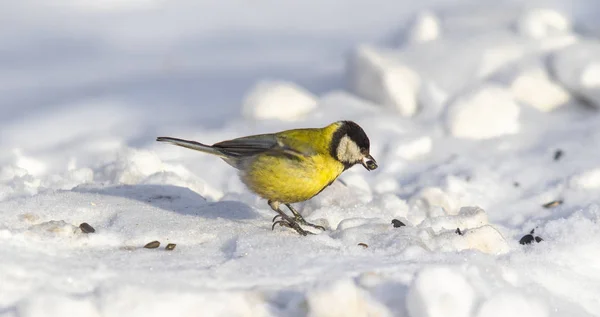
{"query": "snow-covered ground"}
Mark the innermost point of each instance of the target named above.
(482, 115)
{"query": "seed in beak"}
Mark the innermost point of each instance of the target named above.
(369, 163)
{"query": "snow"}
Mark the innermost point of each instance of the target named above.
(485, 112)
(466, 115)
(576, 67)
(278, 100)
(543, 22)
(377, 78)
(425, 27)
(535, 88)
(440, 291)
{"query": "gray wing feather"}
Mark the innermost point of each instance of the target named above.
(248, 146)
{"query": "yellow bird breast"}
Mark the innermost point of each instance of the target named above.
(290, 179)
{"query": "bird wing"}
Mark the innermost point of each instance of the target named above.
(258, 144)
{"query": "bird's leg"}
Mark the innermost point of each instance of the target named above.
(298, 217)
(285, 221)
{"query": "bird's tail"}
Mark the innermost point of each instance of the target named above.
(192, 145)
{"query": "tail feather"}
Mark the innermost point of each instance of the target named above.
(192, 145)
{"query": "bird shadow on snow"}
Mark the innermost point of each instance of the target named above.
(177, 199)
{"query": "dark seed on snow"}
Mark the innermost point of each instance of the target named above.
(558, 154)
(457, 231)
(364, 245)
(152, 245)
(552, 204)
(170, 246)
(538, 239)
(527, 239)
(516, 184)
(86, 228)
(397, 223)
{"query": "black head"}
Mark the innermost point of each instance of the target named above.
(350, 145)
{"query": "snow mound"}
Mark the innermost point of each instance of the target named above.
(278, 100)
(486, 239)
(467, 217)
(425, 27)
(413, 148)
(440, 291)
(485, 112)
(539, 23)
(383, 80)
(132, 166)
(431, 199)
(56, 305)
(512, 304)
(589, 179)
(533, 86)
(343, 299)
(577, 67)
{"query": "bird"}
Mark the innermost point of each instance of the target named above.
(293, 165)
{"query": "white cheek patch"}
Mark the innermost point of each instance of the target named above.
(348, 151)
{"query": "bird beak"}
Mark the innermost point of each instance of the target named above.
(369, 163)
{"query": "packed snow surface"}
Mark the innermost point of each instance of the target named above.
(482, 115)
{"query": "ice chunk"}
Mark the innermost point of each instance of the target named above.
(383, 80)
(485, 112)
(440, 291)
(278, 100)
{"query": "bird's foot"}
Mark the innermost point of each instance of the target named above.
(306, 223)
(290, 224)
(300, 219)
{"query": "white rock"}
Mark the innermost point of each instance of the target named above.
(383, 80)
(278, 100)
(486, 112)
(512, 304)
(343, 299)
(440, 291)
(577, 68)
(425, 27)
(539, 23)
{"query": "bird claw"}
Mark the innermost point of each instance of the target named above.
(291, 225)
(296, 220)
(306, 223)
